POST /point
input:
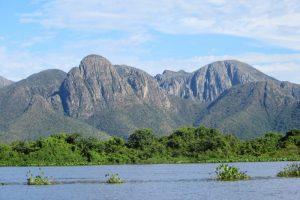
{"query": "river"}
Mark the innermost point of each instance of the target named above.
(155, 182)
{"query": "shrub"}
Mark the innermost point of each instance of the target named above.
(39, 179)
(292, 170)
(141, 139)
(114, 179)
(230, 173)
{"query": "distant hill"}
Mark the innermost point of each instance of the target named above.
(31, 108)
(251, 109)
(100, 99)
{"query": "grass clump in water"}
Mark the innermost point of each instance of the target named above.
(225, 172)
(114, 179)
(292, 170)
(39, 179)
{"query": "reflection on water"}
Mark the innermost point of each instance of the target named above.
(181, 181)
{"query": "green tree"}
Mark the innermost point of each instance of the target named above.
(141, 138)
(291, 138)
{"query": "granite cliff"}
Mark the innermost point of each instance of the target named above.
(100, 99)
(4, 82)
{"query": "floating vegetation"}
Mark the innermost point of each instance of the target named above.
(292, 170)
(224, 172)
(39, 179)
(113, 179)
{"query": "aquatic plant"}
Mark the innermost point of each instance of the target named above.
(224, 172)
(39, 179)
(292, 170)
(114, 179)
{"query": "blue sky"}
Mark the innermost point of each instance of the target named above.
(152, 35)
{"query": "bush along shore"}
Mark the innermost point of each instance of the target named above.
(184, 145)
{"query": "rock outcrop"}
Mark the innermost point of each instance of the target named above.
(207, 83)
(4, 82)
(98, 96)
(97, 84)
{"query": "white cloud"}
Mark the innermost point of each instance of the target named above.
(286, 71)
(36, 40)
(17, 65)
(117, 45)
(20, 62)
(274, 21)
(285, 67)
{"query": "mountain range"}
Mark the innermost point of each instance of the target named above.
(100, 99)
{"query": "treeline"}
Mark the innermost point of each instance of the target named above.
(184, 145)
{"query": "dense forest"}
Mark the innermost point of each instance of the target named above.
(143, 147)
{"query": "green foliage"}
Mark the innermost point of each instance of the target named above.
(198, 142)
(291, 138)
(55, 148)
(292, 170)
(113, 179)
(266, 144)
(225, 172)
(39, 179)
(184, 145)
(140, 139)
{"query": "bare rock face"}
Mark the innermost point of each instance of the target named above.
(118, 99)
(175, 83)
(91, 86)
(144, 86)
(4, 82)
(291, 89)
(207, 83)
(98, 85)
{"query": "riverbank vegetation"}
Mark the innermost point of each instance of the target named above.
(143, 147)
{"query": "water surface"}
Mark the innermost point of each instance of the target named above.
(145, 182)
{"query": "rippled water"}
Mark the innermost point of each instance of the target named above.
(145, 182)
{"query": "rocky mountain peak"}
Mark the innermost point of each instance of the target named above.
(94, 64)
(94, 84)
(235, 72)
(118, 99)
(144, 86)
(97, 84)
(173, 73)
(4, 82)
(208, 82)
(168, 72)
